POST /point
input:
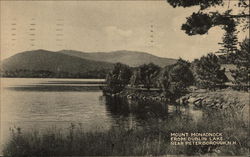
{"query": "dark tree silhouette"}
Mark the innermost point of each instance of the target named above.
(242, 74)
(207, 72)
(176, 78)
(229, 44)
(188, 3)
(135, 80)
(201, 21)
(147, 73)
(118, 78)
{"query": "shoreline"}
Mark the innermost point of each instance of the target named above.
(226, 100)
(140, 95)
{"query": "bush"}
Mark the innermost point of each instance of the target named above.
(208, 73)
(176, 78)
(118, 78)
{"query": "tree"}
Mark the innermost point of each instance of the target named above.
(230, 41)
(147, 73)
(176, 78)
(207, 72)
(135, 79)
(229, 44)
(201, 21)
(203, 3)
(242, 74)
(118, 78)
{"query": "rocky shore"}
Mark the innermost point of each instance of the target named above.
(140, 95)
(235, 102)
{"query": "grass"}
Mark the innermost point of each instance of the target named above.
(150, 139)
(153, 140)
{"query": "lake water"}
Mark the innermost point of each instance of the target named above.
(31, 103)
(43, 104)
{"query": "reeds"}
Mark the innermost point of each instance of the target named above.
(118, 141)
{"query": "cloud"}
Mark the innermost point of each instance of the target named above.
(115, 31)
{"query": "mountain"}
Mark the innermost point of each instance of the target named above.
(131, 58)
(42, 62)
(73, 64)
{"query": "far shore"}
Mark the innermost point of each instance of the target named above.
(53, 78)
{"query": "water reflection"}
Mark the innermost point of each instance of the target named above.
(136, 113)
(55, 88)
(51, 85)
(43, 103)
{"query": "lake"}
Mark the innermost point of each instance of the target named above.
(39, 104)
(31, 103)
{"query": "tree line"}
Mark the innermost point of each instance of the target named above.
(206, 72)
(27, 73)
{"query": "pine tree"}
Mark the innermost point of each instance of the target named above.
(229, 44)
(242, 74)
(200, 22)
(207, 72)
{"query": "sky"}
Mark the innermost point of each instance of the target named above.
(102, 26)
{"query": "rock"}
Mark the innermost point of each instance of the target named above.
(199, 95)
(184, 100)
(191, 99)
(177, 101)
(198, 102)
(204, 102)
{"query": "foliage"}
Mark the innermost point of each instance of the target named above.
(242, 61)
(26, 73)
(135, 80)
(203, 3)
(207, 72)
(229, 44)
(201, 21)
(233, 18)
(227, 58)
(118, 78)
(146, 73)
(152, 139)
(230, 40)
(197, 23)
(176, 78)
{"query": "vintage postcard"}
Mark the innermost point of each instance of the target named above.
(124, 78)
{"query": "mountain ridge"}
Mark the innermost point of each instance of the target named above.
(55, 64)
(73, 64)
(131, 58)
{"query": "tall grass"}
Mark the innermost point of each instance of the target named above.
(150, 140)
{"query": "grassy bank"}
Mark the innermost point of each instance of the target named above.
(230, 102)
(153, 140)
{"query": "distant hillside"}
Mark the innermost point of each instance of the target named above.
(42, 63)
(131, 58)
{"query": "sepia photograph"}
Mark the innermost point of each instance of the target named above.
(124, 78)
